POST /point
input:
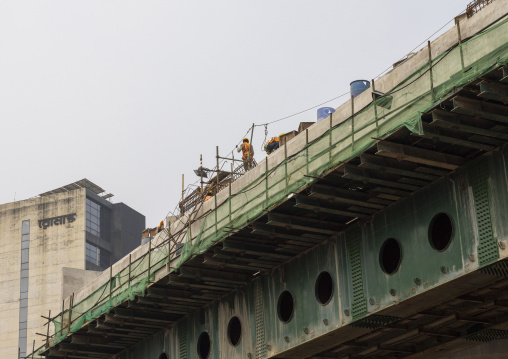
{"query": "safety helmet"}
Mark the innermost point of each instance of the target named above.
(245, 139)
(281, 135)
(210, 192)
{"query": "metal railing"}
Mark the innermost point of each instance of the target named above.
(475, 6)
(198, 195)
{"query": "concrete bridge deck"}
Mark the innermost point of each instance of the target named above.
(380, 233)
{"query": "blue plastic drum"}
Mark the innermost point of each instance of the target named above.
(358, 86)
(324, 112)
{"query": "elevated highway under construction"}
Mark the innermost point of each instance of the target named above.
(380, 232)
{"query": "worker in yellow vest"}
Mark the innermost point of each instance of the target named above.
(209, 195)
(161, 227)
(273, 144)
(247, 153)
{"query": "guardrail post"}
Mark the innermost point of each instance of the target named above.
(457, 22)
(286, 164)
(307, 150)
(149, 261)
(330, 140)
(217, 191)
(62, 316)
(375, 108)
(230, 183)
(129, 278)
(111, 284)
(70, 311)
(266, 180)
(352, 122)
(430, 72)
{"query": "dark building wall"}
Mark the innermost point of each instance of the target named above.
(121, 228)
(126, 227)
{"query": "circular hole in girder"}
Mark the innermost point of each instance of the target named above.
(390, 256)
(324, 288)
(204, 345)
(234, 331)
(440, 232)
(286, 306)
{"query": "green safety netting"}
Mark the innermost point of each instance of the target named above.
(114, 291)
(401, 106)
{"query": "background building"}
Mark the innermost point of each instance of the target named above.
(51, 245)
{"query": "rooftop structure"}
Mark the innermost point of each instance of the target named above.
(52, 245)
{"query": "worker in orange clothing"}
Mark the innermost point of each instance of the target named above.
(161, 227)
(209, 195)
(247, 153)
(273, 144)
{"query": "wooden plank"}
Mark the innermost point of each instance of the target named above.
(413, 181)
(393, 166)
(178, 281)
(481, 109)
(132, 329)
(369, 176)
(505, 74)
(445, 119)
(248, 260)
(209, 259)
(361, 209)
(419, 155)
(434, 171)
(495, 142)
(389, 191)
(432, 133)
(303, 224)
(270, 231)
(157, 301)
(85, 349)
(320, 206)
(494, 91)
(215, 275)
(83, 339)
(109, 318)
(263, 251)
(391, 197)
(143, 316)
(343, 196)
(164, 293)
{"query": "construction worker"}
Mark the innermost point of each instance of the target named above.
(209, 195)
(273, 144)
(161, 227)
(247, 153)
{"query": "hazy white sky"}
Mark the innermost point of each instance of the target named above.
(129, 93)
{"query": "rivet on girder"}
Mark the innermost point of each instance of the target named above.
(249, 355)
(471, 257)
(418, 281)
(268, 347)
(372, 301)
(501, 245)
(325, 321)
(444, 270)
(286, 339)
(306, 330)
(393, 292)
(346, 312)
